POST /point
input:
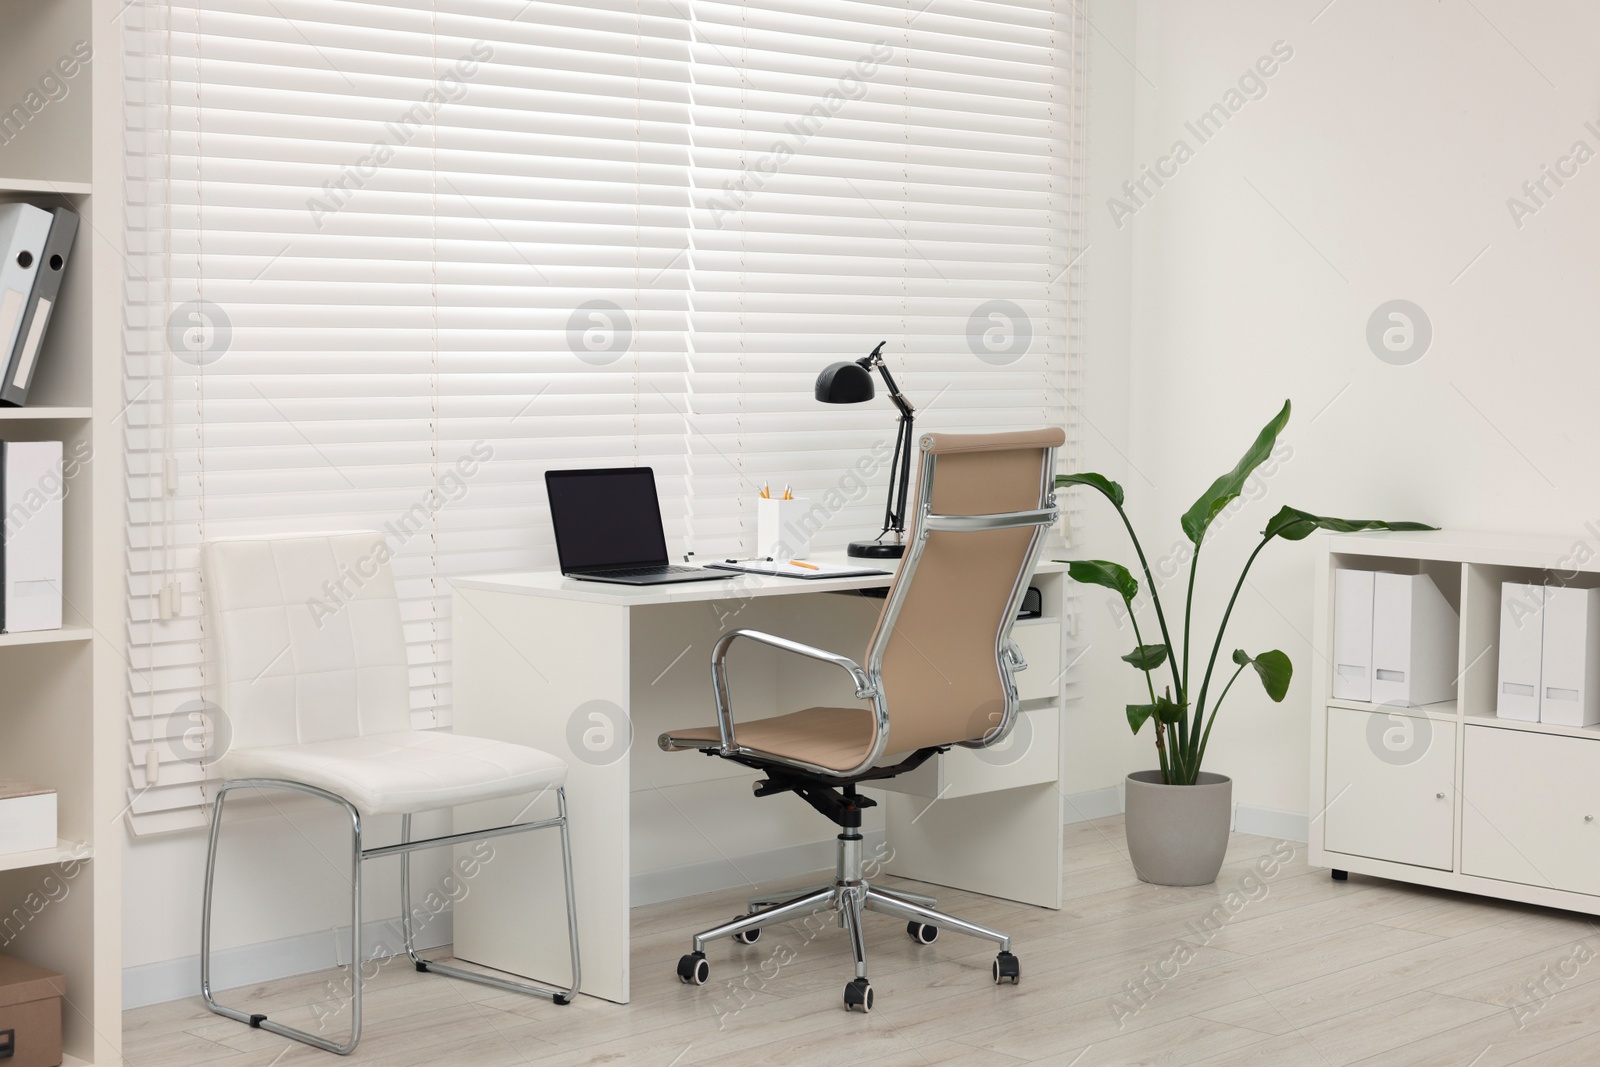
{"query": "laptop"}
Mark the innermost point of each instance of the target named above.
(608, 528)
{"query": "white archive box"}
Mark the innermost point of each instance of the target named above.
(27, 817)
(1521, 651)
(1549, 654)
(1394, 639)
(1352, 635)
(1569, 675)
(31, 492)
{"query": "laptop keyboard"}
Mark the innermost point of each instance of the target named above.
(640, 572)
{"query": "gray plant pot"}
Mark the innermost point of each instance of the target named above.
(1177, 834)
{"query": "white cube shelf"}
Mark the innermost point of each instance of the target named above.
(1480, 793)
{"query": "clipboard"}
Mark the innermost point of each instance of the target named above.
(775, 569)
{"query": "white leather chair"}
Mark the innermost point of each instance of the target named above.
(307, 668)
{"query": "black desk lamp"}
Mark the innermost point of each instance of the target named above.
(851, 383)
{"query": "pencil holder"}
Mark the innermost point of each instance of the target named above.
(781, 530)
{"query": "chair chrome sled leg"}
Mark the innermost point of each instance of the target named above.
(358, 855)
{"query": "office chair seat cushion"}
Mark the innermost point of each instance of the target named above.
(411, 770)
(835, 738)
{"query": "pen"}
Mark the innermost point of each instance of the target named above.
(786, 494)
(766, 491)
(807, 566)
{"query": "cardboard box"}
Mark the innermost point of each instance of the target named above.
(30, 1014)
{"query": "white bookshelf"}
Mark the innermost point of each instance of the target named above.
(61, 709)
(1480, 804)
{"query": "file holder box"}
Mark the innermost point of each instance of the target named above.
(1521, 651)
(1395, 638)
(1569, 674)
(1549, 655)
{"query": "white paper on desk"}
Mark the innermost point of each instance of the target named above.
(789, 570)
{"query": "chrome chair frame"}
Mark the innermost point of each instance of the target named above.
(359, 855)
(851, 894)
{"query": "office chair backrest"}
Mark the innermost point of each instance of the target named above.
(303, 638)
(940, 641)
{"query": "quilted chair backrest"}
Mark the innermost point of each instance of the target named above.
(303, 638)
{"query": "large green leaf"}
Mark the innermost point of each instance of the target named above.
(1223, 491)
(1274, 669)
(1292, 524)
(1113, 576)
(1139, 714)
(1164, 709)
(1147, 657)
(1111, 489)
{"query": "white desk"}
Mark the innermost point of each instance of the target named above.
(566, 666)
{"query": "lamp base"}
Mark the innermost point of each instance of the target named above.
(876, 550)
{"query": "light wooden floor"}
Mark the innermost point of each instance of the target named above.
(1293, 969)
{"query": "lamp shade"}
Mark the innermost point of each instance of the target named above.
(844, 383)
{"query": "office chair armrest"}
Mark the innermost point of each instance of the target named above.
(865, 689)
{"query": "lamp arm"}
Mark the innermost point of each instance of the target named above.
(874, 360)
(894, 512)
(902, 493)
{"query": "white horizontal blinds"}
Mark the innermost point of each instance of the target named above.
(162, 657)
(871, 171)
(443, 242)
(395, 260)
(563, 194)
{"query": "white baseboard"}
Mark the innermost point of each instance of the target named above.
(773, 865)
(1093, 804)
(1270, 822)
(156, 983)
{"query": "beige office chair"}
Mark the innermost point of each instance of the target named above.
(308, 668)
(938, 673)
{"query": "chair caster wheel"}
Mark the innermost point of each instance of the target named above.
(858, 996)
(922, 933)
(749, 937)
(1341, 876)
(693, 969)
(1007, 966)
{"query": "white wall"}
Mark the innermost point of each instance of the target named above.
(1377, 165)
(1099, 750)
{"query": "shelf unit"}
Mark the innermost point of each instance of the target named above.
(61, 707)
(1449, 794)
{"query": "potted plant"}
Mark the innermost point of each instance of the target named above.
(1177, 817)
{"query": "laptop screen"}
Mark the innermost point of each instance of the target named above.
(606, 518)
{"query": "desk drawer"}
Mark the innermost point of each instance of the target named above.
(1040, 642)
(1030, 756)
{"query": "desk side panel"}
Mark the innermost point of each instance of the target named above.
(551, 674)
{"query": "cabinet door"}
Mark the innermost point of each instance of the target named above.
(1391, 787)
(1532, 811)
